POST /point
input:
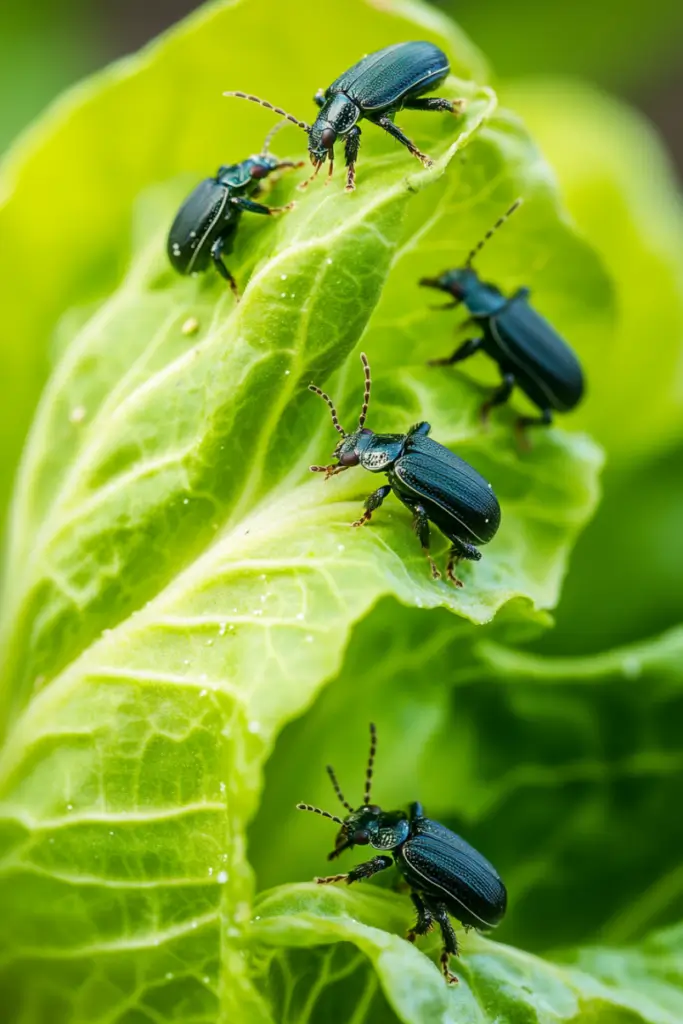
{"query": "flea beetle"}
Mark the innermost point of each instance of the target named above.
(205, 226)
(446, 875)
(436, 485)
(528, 350)
(375, 88)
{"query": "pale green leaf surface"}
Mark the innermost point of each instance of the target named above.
(621, 190)
(498, 984)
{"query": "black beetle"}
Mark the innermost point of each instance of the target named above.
(436, 485)
(528, 350)
(375, 88)
(445, 874)
(205, 225)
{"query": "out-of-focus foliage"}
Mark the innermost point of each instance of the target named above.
(615, 42)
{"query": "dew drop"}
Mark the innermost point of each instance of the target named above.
(191, 326)
(77, 415)
(222, 877)
(631, 666)
(254, 727)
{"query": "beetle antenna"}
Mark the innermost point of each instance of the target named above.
(499, 223)
(269, 137)
(326, 398)
(366, 396)
(371, 763)
(316, 810)
(337, 788)
(269, 106)
(314, 174)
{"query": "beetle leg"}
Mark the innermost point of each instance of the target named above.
(464, 351)
(425, 919)
(460, 549)
(499, 396)
(328, 470)
(372, 503)
(544, 420)
(421, 527)
(450, 942)
(435, 103)
(361, 871)
(351, 150)
(217, 257)
(385, 122)
(251, 207)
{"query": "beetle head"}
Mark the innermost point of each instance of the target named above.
(458, 283)
(350, 449)
(367, 824)
(262, 165)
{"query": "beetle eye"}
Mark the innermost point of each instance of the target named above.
(360, 839)
(259, 171)
(328, 138)
(349, 459)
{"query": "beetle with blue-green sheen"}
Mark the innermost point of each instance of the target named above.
(375, 89)
(434, 483)
(205, 226)
(529, 351)
(446, 875)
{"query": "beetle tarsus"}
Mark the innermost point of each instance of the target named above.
(329, 879)
(523, 422)
(328, 470)
(451, 978)
(453, 560)
(450, 942)
(372, 503)
(436, 103)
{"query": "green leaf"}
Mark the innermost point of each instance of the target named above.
(622, 192)
(178, 586)
(497, 984)
(559, 770)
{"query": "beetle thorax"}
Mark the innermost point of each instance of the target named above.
(371, 826)
(338, 115)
